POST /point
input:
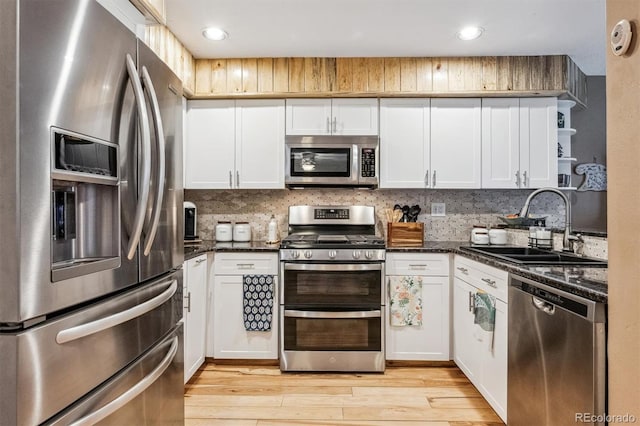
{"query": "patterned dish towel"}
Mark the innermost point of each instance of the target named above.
(484, 313)
(257, 301)
(405, 304)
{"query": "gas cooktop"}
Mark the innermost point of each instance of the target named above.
(322, 241)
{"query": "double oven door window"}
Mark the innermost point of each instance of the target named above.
(332, 307)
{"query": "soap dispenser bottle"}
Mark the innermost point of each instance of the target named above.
(272, 230)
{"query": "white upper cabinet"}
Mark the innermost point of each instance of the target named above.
(357, 116)
(260, 143)
(234, 144)
(404, 143)
(209, 145)
(455, 143)
(501, 143)
(519, 148)
(538, 142)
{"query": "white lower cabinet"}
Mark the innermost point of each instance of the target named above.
(195, 313)
(230, 339)
(429, 341)
(481, 355)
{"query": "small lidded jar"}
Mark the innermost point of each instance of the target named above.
(242, 232)
(224, 232)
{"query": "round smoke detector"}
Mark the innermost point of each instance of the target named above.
(621, 37)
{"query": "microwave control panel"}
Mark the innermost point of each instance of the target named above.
(368, 162)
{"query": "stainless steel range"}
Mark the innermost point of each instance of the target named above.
(332, 303)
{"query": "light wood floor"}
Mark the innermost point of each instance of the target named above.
(402, 396)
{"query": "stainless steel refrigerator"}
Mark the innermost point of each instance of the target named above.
(91, 221)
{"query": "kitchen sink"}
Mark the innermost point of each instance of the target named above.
(536, 256)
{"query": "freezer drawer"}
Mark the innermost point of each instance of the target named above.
(148, 392)
(63, 359)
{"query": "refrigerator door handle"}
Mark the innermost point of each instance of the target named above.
(84, 330)
(132, 392)
(157, 119)
(145, 172)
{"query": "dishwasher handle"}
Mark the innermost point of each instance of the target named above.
(543, 306)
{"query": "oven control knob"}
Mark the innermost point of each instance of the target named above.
(356, 254)
(368, 254)
(308, 254)
(295, 254)
(332, 254)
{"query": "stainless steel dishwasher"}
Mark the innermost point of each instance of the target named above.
(557, 356)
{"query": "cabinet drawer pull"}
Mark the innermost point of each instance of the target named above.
(419, 266)
(245, 265)
(492, 283)
(199, 261)
(463, 270)
(188, 298)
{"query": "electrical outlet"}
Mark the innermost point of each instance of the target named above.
(438, 209)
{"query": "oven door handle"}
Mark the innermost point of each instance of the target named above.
(333, 267)
(331, 315)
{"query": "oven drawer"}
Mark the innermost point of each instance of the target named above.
(332, 330)
(246, 263)
(332, 341)
(426, 264)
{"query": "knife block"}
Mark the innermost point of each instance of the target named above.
(405, 234)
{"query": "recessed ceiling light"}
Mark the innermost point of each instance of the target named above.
(213, 33)
(470, 33)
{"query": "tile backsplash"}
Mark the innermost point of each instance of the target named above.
(464, 208)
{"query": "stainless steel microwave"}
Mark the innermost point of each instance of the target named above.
(331, 161)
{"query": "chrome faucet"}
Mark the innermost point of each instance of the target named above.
(567, 241)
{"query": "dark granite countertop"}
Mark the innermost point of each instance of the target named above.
(193, 250)
(588, 282)
(584, 281)
(429, 247)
